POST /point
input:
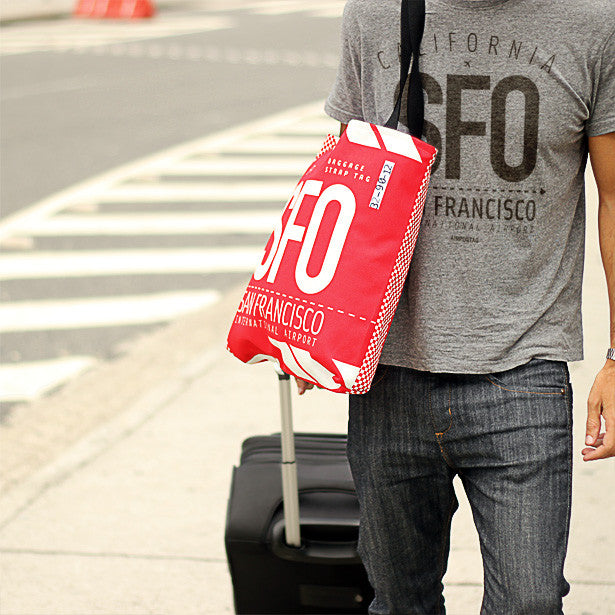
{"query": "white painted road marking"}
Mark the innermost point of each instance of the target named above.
(329, 8)
(45, 265)
(261, 165)
(101, 311)
(84, 33)
(92, 34)
(27, 381)
(279, 145)
(214, 54)
(200, 192)
(315, 8)
(224, 143)
(280, 148)
(248, 222)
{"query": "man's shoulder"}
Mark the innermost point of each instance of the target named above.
(596, 13)
(371, 19)
(363, 10)
(596, 7)
(372, 6)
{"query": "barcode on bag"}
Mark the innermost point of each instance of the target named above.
(381, 184)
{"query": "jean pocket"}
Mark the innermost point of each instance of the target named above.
(538, 377)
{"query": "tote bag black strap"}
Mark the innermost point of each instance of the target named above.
(412, 25)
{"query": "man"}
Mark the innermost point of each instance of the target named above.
(473, 379)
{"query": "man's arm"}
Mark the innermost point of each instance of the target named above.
(601, 400)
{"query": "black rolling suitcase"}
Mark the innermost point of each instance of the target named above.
(291, 536)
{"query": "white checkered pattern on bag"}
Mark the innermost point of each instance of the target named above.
(393, 292)
(328, 145)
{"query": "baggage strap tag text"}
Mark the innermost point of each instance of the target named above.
(381, 184)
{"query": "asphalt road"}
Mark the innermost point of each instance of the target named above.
(80, 99)
(71, 114)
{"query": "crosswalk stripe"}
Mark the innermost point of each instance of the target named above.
(256, 164)
(249, 222)
(280, 7)
(318, 126)
(329, 12)
(299, 6)
(81, 33)
(101, 311)
(91, 190)
(278, 145)
(233, 166)
(196, 192)
(45, 265)
(272, 56)
(91, 34)
(286, 7)
(29, 380)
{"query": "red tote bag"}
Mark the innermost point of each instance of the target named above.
(321, 302)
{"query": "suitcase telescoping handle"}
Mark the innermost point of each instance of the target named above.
(287, 542)
(290, 488)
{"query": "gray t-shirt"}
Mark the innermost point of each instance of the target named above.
(512, 90)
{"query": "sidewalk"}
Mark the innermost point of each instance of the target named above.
(131, 519)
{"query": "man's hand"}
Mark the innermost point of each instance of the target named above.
(303, 386)
(601, 402)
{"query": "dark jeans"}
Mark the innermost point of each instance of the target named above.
(509, 438)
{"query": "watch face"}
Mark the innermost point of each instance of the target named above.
(611, 354)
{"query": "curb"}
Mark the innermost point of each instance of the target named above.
(107, 403)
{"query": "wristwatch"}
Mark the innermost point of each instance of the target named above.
(610, 354)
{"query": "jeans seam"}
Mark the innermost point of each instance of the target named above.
(450, 415)
(444, 454)
(446, 458)
(570, 465)
(562, 391)
(447, 529)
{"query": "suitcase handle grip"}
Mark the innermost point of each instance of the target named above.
(315, 550)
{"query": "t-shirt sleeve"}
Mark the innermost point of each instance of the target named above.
(602, 118)
(345, 101)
